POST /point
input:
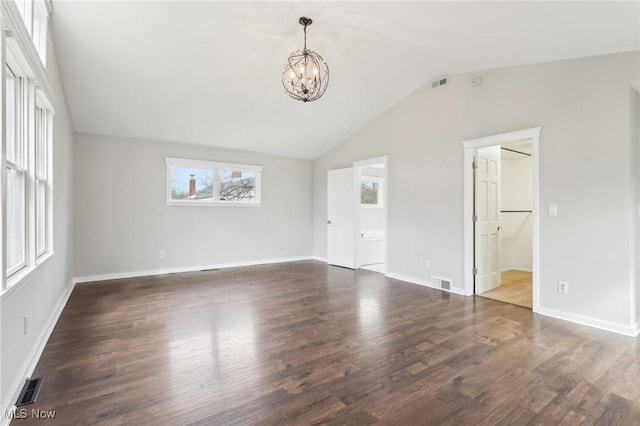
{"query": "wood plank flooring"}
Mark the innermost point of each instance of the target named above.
(515, 289)
(306, 343)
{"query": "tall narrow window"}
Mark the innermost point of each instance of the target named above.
(27, 122)
(25, 7)
(42, 178)
(39, 35)
(16, 174)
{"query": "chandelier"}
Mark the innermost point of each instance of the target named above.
(306, 75)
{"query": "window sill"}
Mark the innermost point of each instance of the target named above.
(16, 281)
(206, 204)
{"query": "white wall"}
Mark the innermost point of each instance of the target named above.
(42, 293)
(517, 194)
(584, 168)
(122, 219)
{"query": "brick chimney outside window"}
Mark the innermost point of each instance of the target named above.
(192, 186)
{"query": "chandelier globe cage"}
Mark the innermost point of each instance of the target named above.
(306, 74)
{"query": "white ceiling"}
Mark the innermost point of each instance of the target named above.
(209, 72)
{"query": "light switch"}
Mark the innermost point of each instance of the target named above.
(552, 210)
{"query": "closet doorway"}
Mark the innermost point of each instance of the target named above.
(501, 237)
(504, 199)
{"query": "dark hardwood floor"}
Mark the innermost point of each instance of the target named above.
(306, 343)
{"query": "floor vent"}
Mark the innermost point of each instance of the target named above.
(443, 283)
(29, 392)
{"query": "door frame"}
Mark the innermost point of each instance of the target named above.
(470, 146)
(357, 165)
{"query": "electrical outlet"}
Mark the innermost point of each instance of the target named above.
(161, 254)
(282, 246)
(563, 287)
(552, 210)
(26, 324)
(426, 263)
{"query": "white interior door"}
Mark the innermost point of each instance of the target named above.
(341, 210)
(487, 211)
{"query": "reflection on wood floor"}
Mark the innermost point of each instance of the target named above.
(515, 289)
(305, 343)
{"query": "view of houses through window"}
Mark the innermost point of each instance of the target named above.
(202, 182)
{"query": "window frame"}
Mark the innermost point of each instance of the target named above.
(42, 174)
(34, 15)
(216, 167)
(33, 94)
(20, 161)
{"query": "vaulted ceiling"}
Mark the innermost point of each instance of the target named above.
(210, 72)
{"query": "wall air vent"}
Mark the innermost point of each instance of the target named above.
(439, 82)
(29, 392)
(442, 283)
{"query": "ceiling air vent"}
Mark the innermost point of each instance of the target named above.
(439, 82)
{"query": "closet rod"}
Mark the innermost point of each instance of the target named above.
(517, 152)
(516, 211)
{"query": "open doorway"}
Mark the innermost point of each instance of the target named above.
(501, 222)
(371, 215)
(357, 215)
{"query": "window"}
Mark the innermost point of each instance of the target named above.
(35, 17)
(371, 191)
(28, 118)
(39, 33)
(195, 182)
(25, 7)
(16, 173)
(42, 180)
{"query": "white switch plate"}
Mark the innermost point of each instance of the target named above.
(552, 210)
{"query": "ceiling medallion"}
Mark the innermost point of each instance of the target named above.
(306, 75)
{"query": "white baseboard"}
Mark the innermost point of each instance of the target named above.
(591, 322)
(135, 274)
(320, 259)
(422, 282)
(32, 361)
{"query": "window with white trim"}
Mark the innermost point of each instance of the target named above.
(15, 172)
(35, 17)
(25, 7)
(371, 191)
(26, 166)
(42, 192)
(209, 183)
(39, 32)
